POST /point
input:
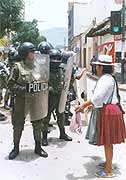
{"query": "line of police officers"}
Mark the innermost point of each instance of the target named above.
(37, 92)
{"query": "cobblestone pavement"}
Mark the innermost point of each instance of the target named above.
(74, 160)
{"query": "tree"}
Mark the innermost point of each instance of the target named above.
(11, 13)
(28, 32)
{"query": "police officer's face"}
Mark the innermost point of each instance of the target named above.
(31, 56)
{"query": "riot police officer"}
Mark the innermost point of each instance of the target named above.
(65, 57)
(11, 53)
(55, 88)
(25, 75)
(9, 62)
(75, 74)
(44, 47)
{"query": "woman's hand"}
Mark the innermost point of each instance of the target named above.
(79, 108)
(89, 108)
(87, 104)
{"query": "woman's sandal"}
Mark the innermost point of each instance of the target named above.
(101, 165)
(102, 174)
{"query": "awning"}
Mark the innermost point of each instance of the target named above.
(100, 30)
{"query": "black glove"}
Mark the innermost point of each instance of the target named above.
(19, 90)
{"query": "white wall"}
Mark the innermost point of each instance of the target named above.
(89, 53)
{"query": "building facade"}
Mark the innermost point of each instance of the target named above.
(82, 18)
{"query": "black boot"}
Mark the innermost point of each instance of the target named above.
(64, 136)
(38, 150)
(15, 151)
(44, 139)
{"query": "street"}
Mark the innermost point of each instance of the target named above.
(77, 43)
(74, 160)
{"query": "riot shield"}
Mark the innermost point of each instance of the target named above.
(36, 103)
(67, 77)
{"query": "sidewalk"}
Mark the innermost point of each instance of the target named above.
(74, 160)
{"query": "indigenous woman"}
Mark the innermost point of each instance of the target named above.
(106, 126)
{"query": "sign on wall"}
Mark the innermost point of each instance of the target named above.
(107, 48)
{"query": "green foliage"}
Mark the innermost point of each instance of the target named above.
(28, 32)
(11, 13)
(11, 20)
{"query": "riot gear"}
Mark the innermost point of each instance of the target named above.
(16, 57)
(29, 85)
(25, 48)
(65, 57)
(55, 59)
(12, 58)
(56, 85)
(55, 54)
(44, 47)
(16, 45)
(68, 72)
(11, 53)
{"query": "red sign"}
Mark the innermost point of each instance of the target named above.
(107, 48)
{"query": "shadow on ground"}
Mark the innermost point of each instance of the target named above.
(58, 143)
(26, 155)
(91, 168)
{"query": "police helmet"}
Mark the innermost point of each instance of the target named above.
(16, 58)
(55, 54)
(44, 47)
(24, 49)
(16, 45)
(65, 57)
(55, 58)
(12, 51)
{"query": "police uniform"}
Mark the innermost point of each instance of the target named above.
(9, 62)
(56, 81)
(21, 75)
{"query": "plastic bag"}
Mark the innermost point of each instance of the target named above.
(76, 123)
